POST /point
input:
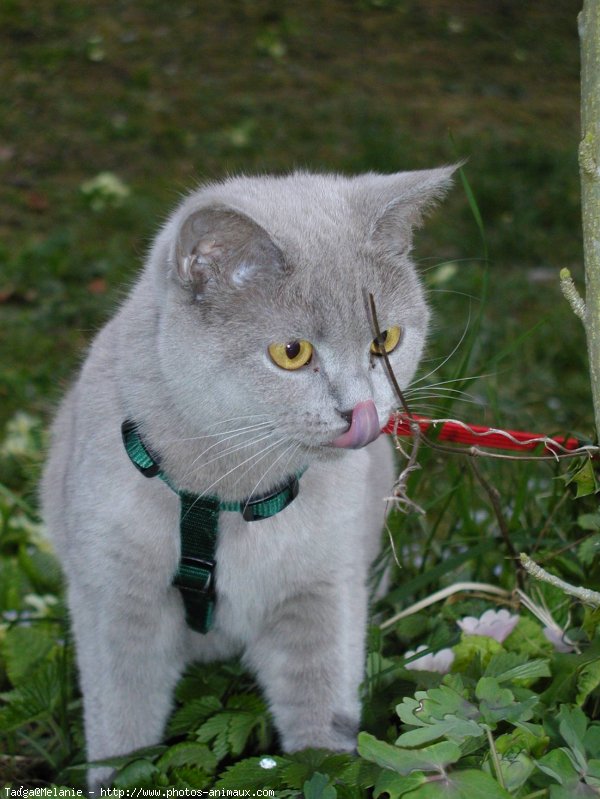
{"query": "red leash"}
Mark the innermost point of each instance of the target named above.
(478, 435)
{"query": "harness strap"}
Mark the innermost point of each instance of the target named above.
(199, 526)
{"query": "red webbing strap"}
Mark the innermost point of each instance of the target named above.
(477, 435)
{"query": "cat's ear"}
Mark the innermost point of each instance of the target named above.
(221, 244)
(399, 203)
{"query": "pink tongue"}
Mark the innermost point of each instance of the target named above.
(363, 429)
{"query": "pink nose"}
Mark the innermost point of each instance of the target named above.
(364, 427)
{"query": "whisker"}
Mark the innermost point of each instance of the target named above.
(222, 432)
(472, 297)
(230, 450)
(466, 399)
(293, 446)
(234, 434)
(445, 361)
(239, 465)
(454, 380)
(227, 451)
(438, 390)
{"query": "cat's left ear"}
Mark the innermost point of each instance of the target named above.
(223, 246)
(399, 203)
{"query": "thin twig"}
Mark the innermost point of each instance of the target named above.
(550, 518)
(585, 595)
(494, 496)
(400, 496)
(570, 293)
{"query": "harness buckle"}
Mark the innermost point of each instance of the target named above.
(189, 576)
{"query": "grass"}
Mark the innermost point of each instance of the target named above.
(162, 97)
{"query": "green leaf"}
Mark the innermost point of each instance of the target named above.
(24, 647)
(305, 763)
(440, 712)
(573, 726)
(588, 550)
(254, 773)
(588, 679)
(468, 784)
(435, 705)
(528, 639)
(319, 787)
(528, 738)
(202, 680)
(35, 699)
(557, 764)
(188, 753)
(513, 667)
(584, 479)
(404, 761)
(139, 773)
(591, 621)
(563, 686)
(589, 521)
(592, 776)
(215, 729)
(474, 648)
(240, 729)
(42, 569)
(591, 740)
(516, 770)
(395, 785)
(498, 704)
(191, 716)
(578, 790)
(117, 762)
(452, 727)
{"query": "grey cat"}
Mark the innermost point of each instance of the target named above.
(244, 361)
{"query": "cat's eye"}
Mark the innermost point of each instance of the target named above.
(391, 339)
(292, 355)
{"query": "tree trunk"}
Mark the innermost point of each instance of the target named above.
(589, 168)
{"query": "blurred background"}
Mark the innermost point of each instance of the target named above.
(111, 110)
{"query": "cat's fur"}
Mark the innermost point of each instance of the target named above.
(239, 265)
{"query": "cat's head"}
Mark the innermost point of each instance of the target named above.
(263, 286)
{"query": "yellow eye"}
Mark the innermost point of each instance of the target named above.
(391, 339)
(292, 355)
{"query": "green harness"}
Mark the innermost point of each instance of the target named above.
(199, 527)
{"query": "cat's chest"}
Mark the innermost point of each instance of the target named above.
(260, 564)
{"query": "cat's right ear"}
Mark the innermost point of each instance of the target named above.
(223, 246)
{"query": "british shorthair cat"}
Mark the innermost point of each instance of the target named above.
(215, 480)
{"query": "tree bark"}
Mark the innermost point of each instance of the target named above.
(589, 169)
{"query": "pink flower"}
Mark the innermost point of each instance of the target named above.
(433, 661)
(497, 624)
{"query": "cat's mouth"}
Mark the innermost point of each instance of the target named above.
(364, 427)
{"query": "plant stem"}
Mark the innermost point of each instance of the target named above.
(495, 758)
(444, 593)
(589, 171)
(570, 293)
(585, 595)
(495, 500)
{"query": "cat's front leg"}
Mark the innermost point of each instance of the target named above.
(130, 655)
(309, 664)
